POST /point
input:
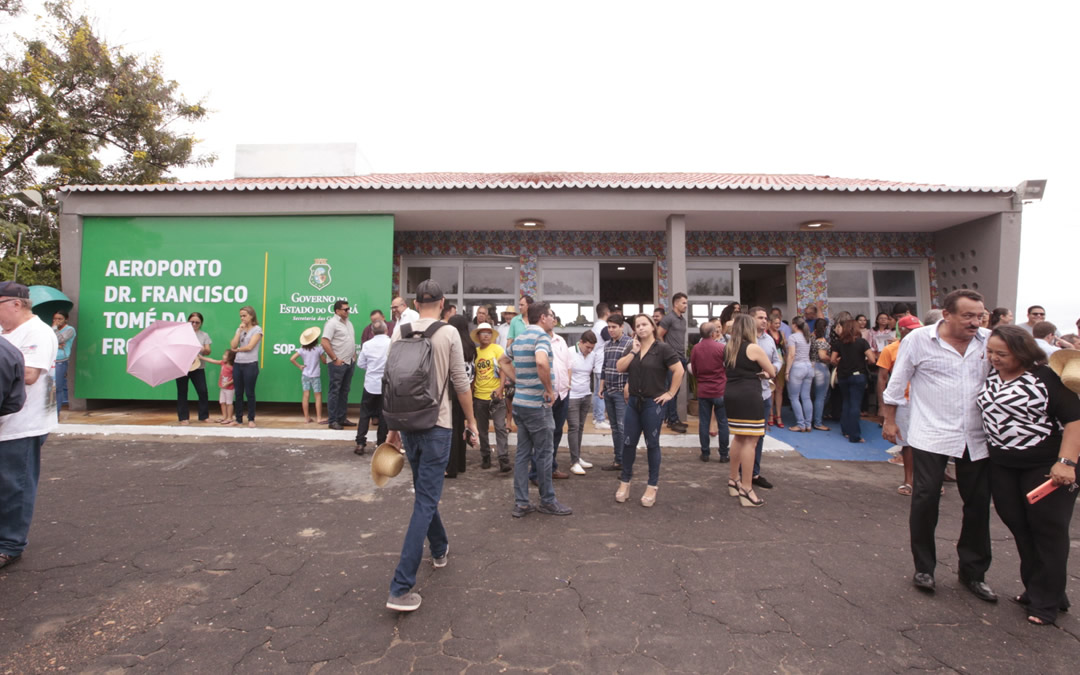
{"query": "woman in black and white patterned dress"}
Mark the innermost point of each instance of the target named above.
(1032, 424)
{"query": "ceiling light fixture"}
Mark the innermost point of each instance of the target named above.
(813, 225)
(529, 224)
(621, 269)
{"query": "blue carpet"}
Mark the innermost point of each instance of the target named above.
(832, 444)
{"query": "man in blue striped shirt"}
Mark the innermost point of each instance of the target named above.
(528, 362)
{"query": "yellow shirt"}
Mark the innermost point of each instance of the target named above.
(487, 372)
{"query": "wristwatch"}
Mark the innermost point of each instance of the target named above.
(1067, 462)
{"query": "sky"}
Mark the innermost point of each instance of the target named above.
(960, 93)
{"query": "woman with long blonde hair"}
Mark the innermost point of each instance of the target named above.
(747, 364)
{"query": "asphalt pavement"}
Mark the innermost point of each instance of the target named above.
(219, 555)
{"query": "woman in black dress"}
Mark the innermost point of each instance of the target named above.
(1032, 424)
(746, 364)
(456, 464)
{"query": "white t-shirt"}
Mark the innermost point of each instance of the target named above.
(598, 329)
(37, 342)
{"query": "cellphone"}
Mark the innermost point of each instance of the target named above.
(471, 439)
(1041, 491)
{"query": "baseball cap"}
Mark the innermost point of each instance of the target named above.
(909, 323)
(10, 289)
(428, 291)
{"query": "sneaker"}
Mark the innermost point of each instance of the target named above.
(504, 464)
(404, 603)
(554, 508)
(522, 511)
(603, 426)
(762, 482)
(441, 560)
(725, 459)
(485, 463)
(703, 457)
(611, 467)
(577, 470)
(584, 464)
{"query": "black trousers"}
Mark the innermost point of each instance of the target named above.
(370, 406)
(973, 481)
(1041, 531)
(197, 378)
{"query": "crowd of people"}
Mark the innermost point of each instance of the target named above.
(965, 387)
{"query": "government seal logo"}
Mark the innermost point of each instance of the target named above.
(320, 274)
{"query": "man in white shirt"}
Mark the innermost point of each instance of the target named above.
(1044, 333)
(401, 313)
(372, 361)
(946, 366)
(599, 329)
(23, 433)
(765, 341)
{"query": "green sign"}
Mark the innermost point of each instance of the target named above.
(291, 269)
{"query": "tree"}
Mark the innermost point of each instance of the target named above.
(75, 110)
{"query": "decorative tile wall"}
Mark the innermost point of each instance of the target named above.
(808, 249)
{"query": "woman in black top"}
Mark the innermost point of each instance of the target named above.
(851, 354)
(1032, 424)
(648, 363)
(456, 464)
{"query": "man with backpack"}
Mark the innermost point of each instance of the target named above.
(424, 361)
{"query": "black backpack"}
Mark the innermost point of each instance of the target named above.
(411, 392)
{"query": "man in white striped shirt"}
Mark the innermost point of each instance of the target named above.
(946, 365)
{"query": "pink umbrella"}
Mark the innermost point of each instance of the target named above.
(162, 351)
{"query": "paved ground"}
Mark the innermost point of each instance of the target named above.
(216, 555)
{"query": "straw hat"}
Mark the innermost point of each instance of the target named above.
(509, 309)
(195, 364)
(386, 463)
(1066, 363)
(475, 335)
(310, 335)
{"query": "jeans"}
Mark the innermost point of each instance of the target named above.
(821, 391)
(707, 407)
(761, 439)
(643, 415)
(798, 383)
(536, 428)
(851, 391)
(244, 377)
(579, 409)
(616, 415)
(61, 383)
(599, 405)
(673, 404)
(197, 378)
(338, 399)
(20, 467)
(428, 453)
(491, 410)
(370, 406)
(559, 410)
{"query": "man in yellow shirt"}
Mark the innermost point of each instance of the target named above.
(489, 404)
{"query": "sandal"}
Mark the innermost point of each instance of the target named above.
(904, 489)
(746, 500)
(732, 488)
(822, 427)
(799, 429)
(779, 422)
(772, 419)
(1036, 621)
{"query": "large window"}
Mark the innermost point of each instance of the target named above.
(571, 288)
(466, 283)
(873, 287)
(711, 286)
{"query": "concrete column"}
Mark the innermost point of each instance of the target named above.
(676, 268)
(71, 236)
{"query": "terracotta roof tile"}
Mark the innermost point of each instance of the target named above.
(546, 181)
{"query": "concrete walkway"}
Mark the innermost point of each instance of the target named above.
(215, 555)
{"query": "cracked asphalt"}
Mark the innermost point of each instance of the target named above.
(220, 556)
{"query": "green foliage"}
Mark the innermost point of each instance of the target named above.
(74, 110)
